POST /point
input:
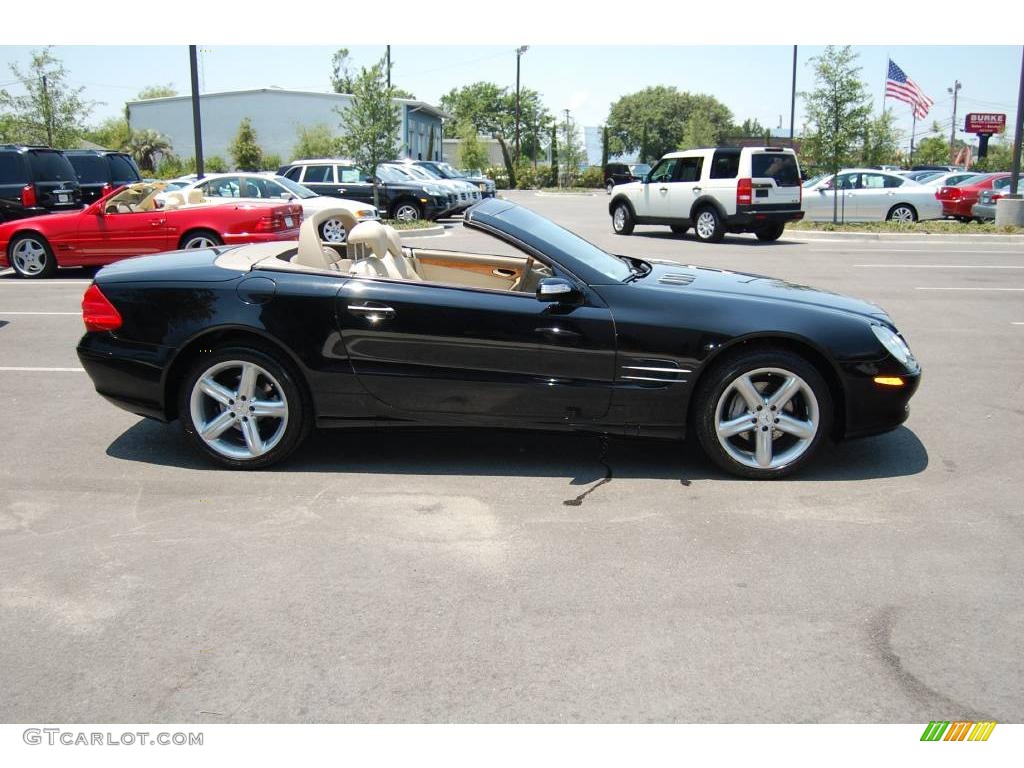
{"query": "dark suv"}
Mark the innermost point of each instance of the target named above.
(400, 197)
(36, 180)
(624, 173)
(101, 171)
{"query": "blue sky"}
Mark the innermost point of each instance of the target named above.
(751, 81)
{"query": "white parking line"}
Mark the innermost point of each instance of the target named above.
(968, 289)
(76, 314)
(1016, 323)
(44, 283)
(942, 266)
(45, 370)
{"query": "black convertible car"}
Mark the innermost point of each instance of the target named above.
(251, 346)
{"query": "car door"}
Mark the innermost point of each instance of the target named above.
(872, 199)
(685, 187)
(353, 184)
(819, 201)
(462, 352)
(320, 179)
(112, 235)
(656, 191)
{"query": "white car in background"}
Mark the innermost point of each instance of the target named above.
(948, 179)
(865, 194)
(261, 187)
(467, 194)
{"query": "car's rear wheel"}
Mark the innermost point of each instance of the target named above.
(200, 238)
(770, 232)
(407, 211)
(622, 220)
(333, 231)
(31, 256)
(243, 408)
(903, 213)
(762, 414)
(679, 229)
(609, 187)
(708, 226)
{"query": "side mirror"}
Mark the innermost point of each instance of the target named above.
(645, 179)
(557, 290)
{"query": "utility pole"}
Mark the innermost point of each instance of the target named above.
(835, 156)
(197, 124)
(792, 103)
(519, 54)
(952, 129)
(389, 66)
(567, 153)
(1015, 170)
(47, 114)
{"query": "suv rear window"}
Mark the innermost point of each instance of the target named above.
(780, 166)
(11, 169)
(90, 169)
(122, 169)
(51, 166)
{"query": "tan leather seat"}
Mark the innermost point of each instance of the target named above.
(377, 260)
(312, 252)
(195, 196)
(173, 200)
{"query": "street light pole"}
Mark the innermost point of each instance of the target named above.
(792, 103)
(1015, 170)
(952, 129)
(389, 66)
(519, 54)
(197, 124)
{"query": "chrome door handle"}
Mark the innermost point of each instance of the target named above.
(371, 312)
(697, 190)
(159, 223)
(663, 189)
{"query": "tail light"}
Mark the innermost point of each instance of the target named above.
(107, 189)
(28, 196)
(97, 311)
(995, 197)
(270, 223)
(744, 192)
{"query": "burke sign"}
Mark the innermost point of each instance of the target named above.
(985, 122)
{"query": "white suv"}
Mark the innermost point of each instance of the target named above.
(725, 189)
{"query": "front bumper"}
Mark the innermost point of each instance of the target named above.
(872, 408)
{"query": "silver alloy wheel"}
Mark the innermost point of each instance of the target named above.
(333, 231)
(407, 212)
(902, 214)
(706, 224)
(29, 256)
(199, 241)
(619, 218)
(767, 418)
(239, 409)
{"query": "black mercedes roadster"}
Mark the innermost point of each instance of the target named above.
(252, 346)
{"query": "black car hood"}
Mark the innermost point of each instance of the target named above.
(678, 278)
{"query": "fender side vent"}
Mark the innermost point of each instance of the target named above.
(651, 372)
(677, 278)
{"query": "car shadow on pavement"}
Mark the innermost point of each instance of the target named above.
(689, 237)
(491, 452)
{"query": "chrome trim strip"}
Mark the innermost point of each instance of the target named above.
(659, 381)
(658, 370)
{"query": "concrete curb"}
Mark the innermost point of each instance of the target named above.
(408, 234)
(900, 237)
(563, 194)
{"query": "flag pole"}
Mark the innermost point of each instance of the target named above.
(913, 130)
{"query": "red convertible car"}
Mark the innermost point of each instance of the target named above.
(131, 221)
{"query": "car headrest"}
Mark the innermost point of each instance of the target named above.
(195, 196)
(312, 252)
(371, 234)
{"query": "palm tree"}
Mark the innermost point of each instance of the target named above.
(145, 146)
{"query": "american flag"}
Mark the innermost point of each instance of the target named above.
(901, 87)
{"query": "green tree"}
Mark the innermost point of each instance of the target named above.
(50, 111)
(838, 110)
(156, 92)
(245, 150)
(147, 147)
(747, 129)
(699, 132)
(933, 149)
(573, 152)
(653, 120)
(112, 133)
(316, 141)
(341, 71)
(371, 123)
(491, 109)
(880, 145)
(401, 93)
(999, 157)
(472, 152)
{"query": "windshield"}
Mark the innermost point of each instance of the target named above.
(447, 171)
(393, 174)
(572, 245)
(640, 169)
(301, 192)
(419, 172)
(814, 180)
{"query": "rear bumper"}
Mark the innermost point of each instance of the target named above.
(753, 218)
(984, 211)
(128, 374)
(238, 238)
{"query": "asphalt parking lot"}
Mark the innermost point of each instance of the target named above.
(442, 576)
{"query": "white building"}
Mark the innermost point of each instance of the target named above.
(276, 115)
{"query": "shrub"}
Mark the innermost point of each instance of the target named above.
(592, 177)
(215, 164)
(245, 150)
(499, 175)
(271, 162)
(528, 177)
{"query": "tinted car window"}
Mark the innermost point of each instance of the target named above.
(317, 174)
(226, 187)
(893, 181)
(689, 169)
(51, 166)
(847, 181)
(872, 181)
(294, 173)
(11, 169)
(122, 170)
(90, 169)
(779, 166)
(725, 165)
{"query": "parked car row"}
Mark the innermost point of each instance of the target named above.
(37, 180)
(961, 201)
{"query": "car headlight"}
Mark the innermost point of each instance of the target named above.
(367, 214)
(896, 346)
(435, 189)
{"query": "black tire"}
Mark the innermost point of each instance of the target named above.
(679, 229)
(716, 390)
(199, 238)
(31, 256)
(770, 232)
(407, 210)
(902, 212)
(707, 225)
(622, 219)
(609, 186)
(278, 382)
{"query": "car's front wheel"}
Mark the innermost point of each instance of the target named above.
(762, 414)
(622, 219)
(609, 186)
(407, 212)
(243, 408)
(31, 256)
(708, 226)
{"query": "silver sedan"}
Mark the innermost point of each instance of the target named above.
(864, 194)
